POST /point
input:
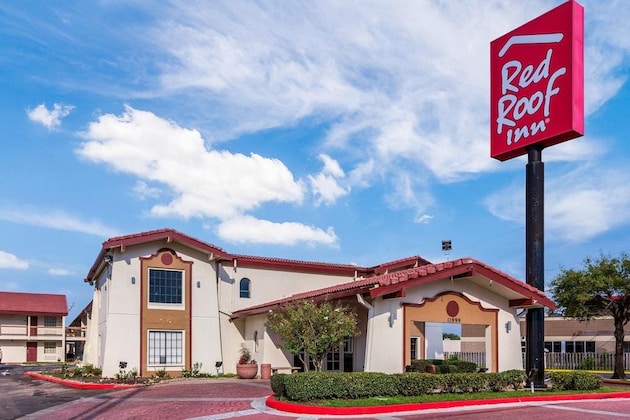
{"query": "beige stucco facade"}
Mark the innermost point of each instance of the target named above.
(215, 315)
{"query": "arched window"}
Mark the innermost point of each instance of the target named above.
(244, 288)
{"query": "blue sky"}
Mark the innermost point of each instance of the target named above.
(346, 132)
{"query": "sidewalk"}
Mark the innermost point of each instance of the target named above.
(238, 398)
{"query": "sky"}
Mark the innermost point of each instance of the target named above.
(332, 131)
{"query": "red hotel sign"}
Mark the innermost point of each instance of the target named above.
(537, 83)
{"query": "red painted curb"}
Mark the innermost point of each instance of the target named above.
(347, 411)
(77, 384)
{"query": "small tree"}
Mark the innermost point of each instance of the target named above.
(314, 329)
(602, 287)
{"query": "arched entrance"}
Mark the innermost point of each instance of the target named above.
(448, 307)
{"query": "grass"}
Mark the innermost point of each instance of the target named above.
(378, 401)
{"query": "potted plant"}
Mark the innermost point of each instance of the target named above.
(246, 368)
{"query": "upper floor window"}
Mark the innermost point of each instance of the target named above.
(50, 321)
(165, 286)
(244, 288)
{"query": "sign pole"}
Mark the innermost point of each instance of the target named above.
(535, 261)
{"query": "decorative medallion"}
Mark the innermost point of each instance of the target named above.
(167, 259)
(452, 309)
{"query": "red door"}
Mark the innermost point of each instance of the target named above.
(31, 351)
(33, 325)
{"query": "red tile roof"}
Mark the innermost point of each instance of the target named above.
(397, 283)
(171, 235)
(33, 304)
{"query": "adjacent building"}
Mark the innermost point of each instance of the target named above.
(164, 301)
(32, 327)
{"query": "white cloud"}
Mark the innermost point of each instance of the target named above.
(159, 151)
(405, 83)
(59, 272)
(326, 185)
(406, 193)
(143, 191)
(51, 119)
(205, 183)
(579, 204)
(55, 219)
(252, 230)
(423, 218)
(8, 260)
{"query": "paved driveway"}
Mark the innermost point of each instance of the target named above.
(216, 399)
(21, 395)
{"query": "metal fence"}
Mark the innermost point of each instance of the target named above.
(587, 361)
(479, 358)
(568, 361)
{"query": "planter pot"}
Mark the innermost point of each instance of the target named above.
(265, 371)
(247, 371)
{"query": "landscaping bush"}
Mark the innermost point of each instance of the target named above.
(442, 366)
(574, 381)
(512, 379)
(445, 369)
(337, 385)
(277, 384)
(418, 366)
(458, 383)
(367, 384)
(416, 383)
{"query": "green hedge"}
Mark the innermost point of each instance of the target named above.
(335, 385)
(575, 380)
(442, 366)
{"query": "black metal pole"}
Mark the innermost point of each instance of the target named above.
(535, 262)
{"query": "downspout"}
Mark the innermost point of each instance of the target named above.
(367, 363)
(218, 279)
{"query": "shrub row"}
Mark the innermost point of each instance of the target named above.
(442, 366)
(334, 385)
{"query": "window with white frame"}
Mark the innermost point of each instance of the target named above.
(166, 347)
(414, 348)
(570, 346)
(50, 321)
(166, 286)
(50, 347)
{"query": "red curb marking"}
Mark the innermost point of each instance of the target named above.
(78, 385)
(310, 409)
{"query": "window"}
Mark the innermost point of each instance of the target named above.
(570, 346)
(166, 347)
(244, 286)
(340, 359)
(580, 346)
(414, 348)
(333, 360)
(165, 286)
(50, 347)
(50, 321)
(553, 346)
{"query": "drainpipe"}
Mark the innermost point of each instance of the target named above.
(367, 364)
(217, 267)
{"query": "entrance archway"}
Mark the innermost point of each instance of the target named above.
(448, 307)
